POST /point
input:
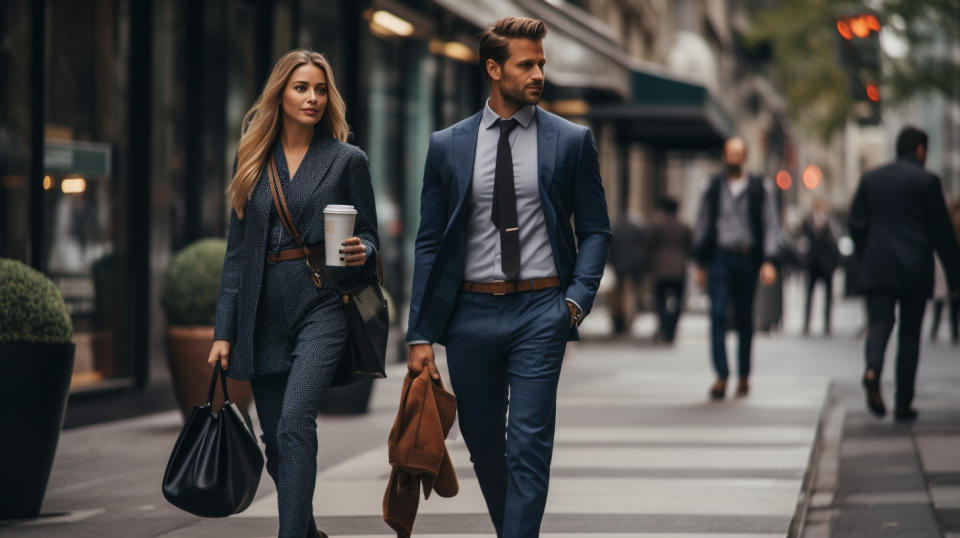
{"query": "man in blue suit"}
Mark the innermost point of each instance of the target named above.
(500, 277)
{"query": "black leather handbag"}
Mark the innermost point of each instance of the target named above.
(215, 467)
(365, 309)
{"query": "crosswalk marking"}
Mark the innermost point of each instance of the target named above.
(720, 465)
(582, 535)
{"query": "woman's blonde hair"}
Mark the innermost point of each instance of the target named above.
(262, 122)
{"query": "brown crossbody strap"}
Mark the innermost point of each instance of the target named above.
(280, 203)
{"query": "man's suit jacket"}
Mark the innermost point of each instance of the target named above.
(570, 186)
(897, 219)
(333, 172)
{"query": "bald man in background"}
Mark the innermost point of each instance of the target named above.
(736, 240)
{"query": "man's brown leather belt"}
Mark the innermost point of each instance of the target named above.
(284, 255)
(501, 287)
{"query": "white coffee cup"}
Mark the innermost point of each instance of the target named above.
(338, 223)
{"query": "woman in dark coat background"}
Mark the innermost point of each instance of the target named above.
(822, 259)
(274, 326)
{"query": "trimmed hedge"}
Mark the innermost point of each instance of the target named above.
(31, 306)
(191, 283)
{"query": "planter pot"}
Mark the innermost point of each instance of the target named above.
(33, 399)
(187, 352)
(352, 399)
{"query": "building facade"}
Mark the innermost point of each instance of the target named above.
(119, 121)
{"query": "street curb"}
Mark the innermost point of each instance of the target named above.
(820, 478)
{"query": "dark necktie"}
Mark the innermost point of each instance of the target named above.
(504, 213)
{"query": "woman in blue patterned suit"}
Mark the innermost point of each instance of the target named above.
(274, 326)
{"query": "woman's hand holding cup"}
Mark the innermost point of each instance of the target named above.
(353, 253)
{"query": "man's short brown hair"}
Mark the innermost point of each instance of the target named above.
(495, 42)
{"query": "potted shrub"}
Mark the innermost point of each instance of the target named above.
(37, 360)
(189, 298)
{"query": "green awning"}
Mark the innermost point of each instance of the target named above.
(668, 112)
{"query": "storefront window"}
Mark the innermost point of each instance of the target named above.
(82, 193)
(15, 109)
(384, 144)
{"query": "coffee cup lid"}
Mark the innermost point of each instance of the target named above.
(333, 208)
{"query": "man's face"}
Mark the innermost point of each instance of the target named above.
(734, 155)
(520, 78)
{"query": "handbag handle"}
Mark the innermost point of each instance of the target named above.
(213, 386)
(280, 204)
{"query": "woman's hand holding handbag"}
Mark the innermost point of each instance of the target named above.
(215, 466)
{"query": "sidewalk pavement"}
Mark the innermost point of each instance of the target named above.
(640, 452)
(875, 478)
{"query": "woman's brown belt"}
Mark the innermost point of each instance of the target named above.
(284, 255)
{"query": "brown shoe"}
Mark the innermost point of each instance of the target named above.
(719, 389)
(743, 387)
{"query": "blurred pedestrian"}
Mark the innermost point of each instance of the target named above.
(498, 277)
(669, 243)
(897, 220)
(274, 325)
(822, 260)
(736, 239)
(627, 260)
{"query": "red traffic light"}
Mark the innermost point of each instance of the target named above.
(844, 29)
(858, 25)
(873, 93)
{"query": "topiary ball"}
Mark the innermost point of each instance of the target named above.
(191, 283)
(31, 306)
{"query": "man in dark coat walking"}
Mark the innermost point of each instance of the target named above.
(627, 259)
(669, 245)
(897, 220)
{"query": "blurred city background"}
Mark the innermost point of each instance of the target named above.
(119, 121)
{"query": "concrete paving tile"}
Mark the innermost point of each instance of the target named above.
(880, 464)
(940, 453)
(854, 483)
(887, 521)
(867, 446)
(944, 479)
(950, 519)
(681, 433)
(945, 496)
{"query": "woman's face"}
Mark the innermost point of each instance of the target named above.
(305, 96)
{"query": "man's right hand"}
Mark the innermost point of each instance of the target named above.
(700, 275)
(421, 356)
(220, 351)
